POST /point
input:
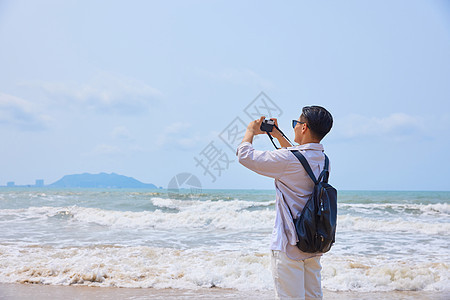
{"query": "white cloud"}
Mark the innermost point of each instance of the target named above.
(396, 125)
(21, 113)
(135, 148)
(180, 134)
(114, 150)
(241, 76)
(121, 133)
(103, 93)
(172, 133)
(104, 149)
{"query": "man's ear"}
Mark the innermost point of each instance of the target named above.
(304, 127)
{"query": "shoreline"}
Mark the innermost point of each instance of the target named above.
(18, 291)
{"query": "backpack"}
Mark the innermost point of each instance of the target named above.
(316, 226)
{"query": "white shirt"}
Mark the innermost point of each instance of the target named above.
(292, 184)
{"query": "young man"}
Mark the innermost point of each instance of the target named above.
(296, 274)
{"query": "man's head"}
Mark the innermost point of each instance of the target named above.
(314, 123)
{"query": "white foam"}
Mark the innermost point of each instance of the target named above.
(437, 207)
(379, 274)
(135, 267)
(208, 205)
(349, 222)
(382, 208)
(221, 215)
(145, 267)
(200, 217)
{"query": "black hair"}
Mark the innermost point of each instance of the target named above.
(318, 120)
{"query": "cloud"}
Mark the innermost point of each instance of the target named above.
(122, 143)
(103, 93)
(21, 113)
(114, 150)
(179, 134)
(242, 76)
(104, 149)
(172, 134)
(397, 125)
(120, 133)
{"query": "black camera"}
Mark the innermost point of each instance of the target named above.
(267, 125)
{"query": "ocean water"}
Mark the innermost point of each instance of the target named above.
(220, 238)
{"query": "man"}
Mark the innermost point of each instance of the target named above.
(296, 274)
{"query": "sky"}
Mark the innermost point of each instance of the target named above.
(152, 89)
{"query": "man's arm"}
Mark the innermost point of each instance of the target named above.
(276, 134)
(253, 129)
(267, 163)
(281, 139)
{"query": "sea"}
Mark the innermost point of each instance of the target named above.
(385, 241)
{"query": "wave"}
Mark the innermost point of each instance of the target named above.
(136, 267)
(215, 215)
(149, 267)
(386, 208)
(232, 204)
(194, 218)
(354, 223)
(368, 274)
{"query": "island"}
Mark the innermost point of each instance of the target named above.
(101, 180)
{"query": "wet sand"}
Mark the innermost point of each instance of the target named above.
(38, 292)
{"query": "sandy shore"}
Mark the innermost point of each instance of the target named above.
(29, 291)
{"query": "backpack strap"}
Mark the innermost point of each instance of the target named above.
(323, 175)
(305, 164)
(325, 172)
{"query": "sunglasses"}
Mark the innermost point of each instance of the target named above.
(294, 123)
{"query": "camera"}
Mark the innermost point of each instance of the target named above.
(267, 125)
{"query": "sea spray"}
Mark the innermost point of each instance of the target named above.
(385, 241)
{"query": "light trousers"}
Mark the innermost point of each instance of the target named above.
(296, 279)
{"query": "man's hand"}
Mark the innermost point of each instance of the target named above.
(252, 130)
(254, 126)
(275, 133)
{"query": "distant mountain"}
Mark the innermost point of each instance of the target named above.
(102, 180)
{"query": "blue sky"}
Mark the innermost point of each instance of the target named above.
(143, 88)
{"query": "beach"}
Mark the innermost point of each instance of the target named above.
(38, 292)
(134, 244)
